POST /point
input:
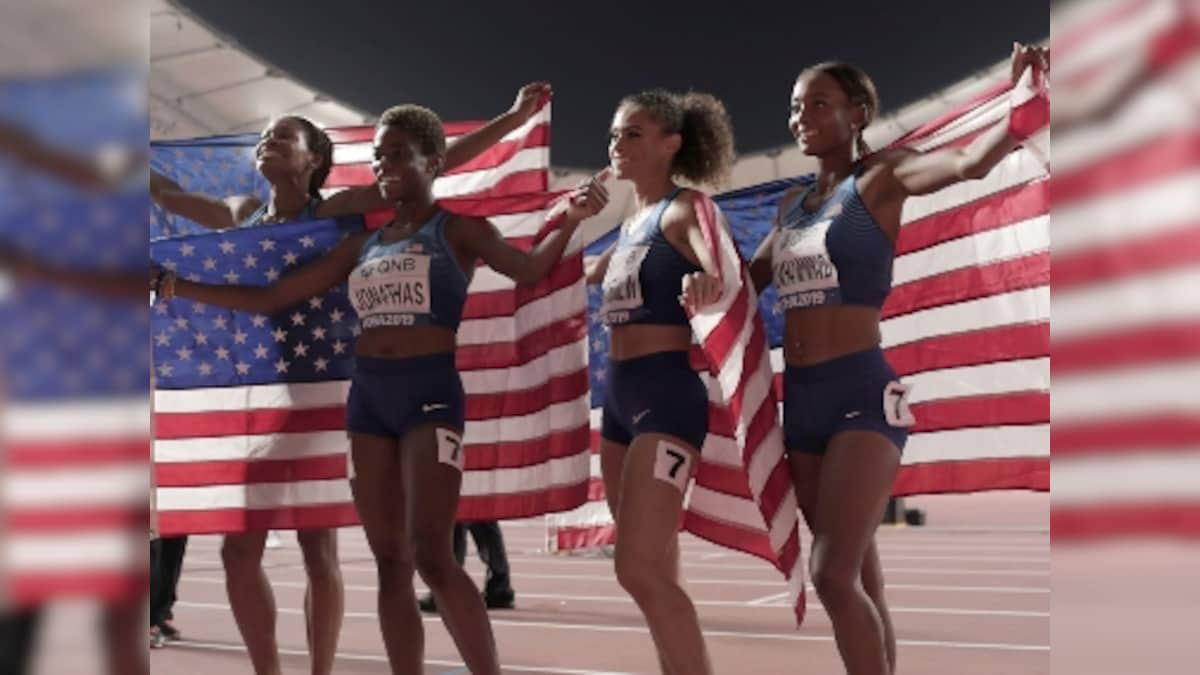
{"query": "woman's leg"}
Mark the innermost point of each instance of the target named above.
(431, 457)
(379, 497)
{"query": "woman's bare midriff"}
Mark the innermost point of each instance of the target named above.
(818, 334)
(398, 342)
(632, 341)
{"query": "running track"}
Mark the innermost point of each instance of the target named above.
(970, 593)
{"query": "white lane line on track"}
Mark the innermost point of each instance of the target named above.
(1021, 590)
(641, 630)
(379, 658)
(626, 600)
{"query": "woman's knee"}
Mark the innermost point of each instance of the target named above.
(642, 575)
(434, 560)
(836, 578)
(319, 548)
(241, 551)
(394, 568)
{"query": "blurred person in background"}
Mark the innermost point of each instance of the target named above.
(1125, 254)
(117, 171)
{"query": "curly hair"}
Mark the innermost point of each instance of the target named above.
(319, 142)
(707, 152)
(421, 123)
(857, 86)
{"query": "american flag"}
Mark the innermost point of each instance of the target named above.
(743, 457)
(249, 412)
(74, 406)
(967, 325)
(1126, 307)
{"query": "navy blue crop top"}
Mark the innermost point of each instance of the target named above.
(835, 255)
(416, 281)
(645, 274)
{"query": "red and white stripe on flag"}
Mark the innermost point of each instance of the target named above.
(73, 493)
(1126, 310)
(742, 497)
(967, 324)
(522, 354)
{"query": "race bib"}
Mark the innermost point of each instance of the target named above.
(895, 405)
(672, 464)
(804, 274)
(450, 450)
(391, 289)
(622, 285)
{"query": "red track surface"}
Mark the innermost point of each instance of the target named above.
(970, 593)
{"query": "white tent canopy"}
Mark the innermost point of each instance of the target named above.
(202, 83)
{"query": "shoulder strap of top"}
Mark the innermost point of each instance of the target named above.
(370, 241)
(256, 217)
(661, 208)
(310, 209)
(795, 201)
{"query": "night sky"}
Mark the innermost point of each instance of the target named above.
(467, 59)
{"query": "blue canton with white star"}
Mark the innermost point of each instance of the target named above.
(221, 166)
(197, 345)
(61, 342)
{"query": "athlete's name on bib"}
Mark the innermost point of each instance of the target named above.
(804, 269)
(398, 282)
(395, 293)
